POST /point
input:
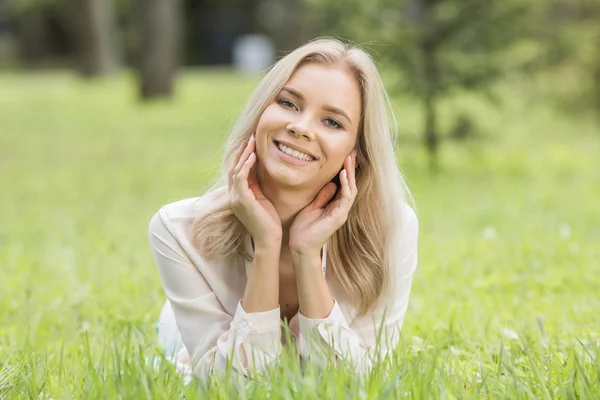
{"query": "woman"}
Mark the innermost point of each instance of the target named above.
(309, 226)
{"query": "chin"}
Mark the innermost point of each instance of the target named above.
(285, 177)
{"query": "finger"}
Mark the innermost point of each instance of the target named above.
(346, 198)
(252, 174)
(240, 180)
(347, 189)
(324, 195)
(246, 168)
(340, 193)
(346, 192)
(352, 175)
(244, 157)
(238, 155)
(240, 151)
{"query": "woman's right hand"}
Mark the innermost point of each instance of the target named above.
(249, 204)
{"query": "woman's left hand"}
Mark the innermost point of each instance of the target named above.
(320, 219)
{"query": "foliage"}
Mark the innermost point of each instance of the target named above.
(20, 6)
(467, 37)
(435, 46)
(568, 38)
(505, 299)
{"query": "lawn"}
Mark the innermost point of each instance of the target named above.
(505, 302)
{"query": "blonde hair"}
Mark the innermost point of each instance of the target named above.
(358, 253)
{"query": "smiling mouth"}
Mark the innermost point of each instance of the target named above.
(293, 153)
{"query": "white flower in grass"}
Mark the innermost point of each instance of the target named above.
(489, 233)
(565, 231)
(509, 334)
(85, 326)
(418, 341)
(417, 344)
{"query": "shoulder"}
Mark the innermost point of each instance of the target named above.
(403, 251)
(182, 213)
(409, 222)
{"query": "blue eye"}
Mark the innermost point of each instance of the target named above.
(286, 103)
(333, 123)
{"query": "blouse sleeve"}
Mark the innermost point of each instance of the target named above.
(368, 339)
(249, 341)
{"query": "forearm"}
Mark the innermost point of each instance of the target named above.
(313, 292)
(262, 287)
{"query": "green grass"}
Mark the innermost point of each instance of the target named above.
(505, 302)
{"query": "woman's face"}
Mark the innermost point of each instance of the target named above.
(304, 135)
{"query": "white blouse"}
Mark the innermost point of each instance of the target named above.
(204, 302)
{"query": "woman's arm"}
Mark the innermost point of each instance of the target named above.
(262, 288)
(250, 339)
(313, 292)
(323, 327)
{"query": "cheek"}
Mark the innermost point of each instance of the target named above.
(267, 124)
(337, 150)
(270, 119)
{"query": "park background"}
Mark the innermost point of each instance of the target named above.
(110, 109)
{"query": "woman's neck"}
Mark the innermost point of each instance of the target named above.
(288, 203)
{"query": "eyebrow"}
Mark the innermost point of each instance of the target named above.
(332, 109)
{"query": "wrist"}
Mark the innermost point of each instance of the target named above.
(270, 245)
(306, 258)
(305, 250)
(267, 251)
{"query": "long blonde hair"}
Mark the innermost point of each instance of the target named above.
(358, 253)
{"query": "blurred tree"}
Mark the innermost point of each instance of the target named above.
(596, 77)
(290, 23)
(48, 31)
(97, 53)
(6, 37)
(40, 27)
(82, 30)
(435, 46)
(159, 52)
(568, 35)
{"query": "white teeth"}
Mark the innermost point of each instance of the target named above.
(294, 153)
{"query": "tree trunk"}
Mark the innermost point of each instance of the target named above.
(30, 35)
(7, 44)
(427, 46)
(97, 38)
(159, 52)
(596, 80)
(431, 136)
(430, 90)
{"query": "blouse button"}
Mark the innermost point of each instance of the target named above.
(244, 324)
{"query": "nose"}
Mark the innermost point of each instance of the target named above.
(300, 129)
